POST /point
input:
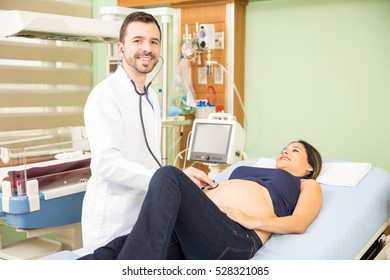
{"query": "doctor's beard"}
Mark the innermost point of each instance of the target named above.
(136, 63)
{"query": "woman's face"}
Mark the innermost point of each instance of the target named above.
(293, 159)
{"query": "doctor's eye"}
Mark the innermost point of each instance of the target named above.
(136, 40)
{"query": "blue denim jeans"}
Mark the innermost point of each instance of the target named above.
(178, 221)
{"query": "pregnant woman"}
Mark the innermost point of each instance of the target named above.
(183, 219)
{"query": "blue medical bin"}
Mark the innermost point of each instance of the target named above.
(43, 177)
(52, 212)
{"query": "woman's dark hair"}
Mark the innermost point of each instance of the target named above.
(137, 17)
(314, 159)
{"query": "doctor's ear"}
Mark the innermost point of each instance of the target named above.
(120, 48)
(120, 55)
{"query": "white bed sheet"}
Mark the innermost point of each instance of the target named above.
(349, 218)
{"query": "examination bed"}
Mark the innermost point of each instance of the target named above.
(351, 219)
(355, 213)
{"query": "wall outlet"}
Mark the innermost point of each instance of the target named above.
(202, 75)
(219, 40)
(218, 75)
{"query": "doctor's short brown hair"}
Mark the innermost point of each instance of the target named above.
(137, 17)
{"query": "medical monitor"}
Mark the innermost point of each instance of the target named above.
(217, 141)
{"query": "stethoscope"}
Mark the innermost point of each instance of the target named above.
(146, 89)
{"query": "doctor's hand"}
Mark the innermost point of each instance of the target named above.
(199, 177)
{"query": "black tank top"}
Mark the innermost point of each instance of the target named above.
(283, 187)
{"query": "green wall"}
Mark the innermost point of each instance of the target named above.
(319, 70)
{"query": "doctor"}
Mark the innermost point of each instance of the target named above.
(122, 119)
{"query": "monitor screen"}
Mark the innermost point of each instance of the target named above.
(210, 142)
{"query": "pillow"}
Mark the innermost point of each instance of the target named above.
(346, 174)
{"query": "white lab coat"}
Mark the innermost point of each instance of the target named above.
(121, 164)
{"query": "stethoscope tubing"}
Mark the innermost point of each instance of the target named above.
(146, 89)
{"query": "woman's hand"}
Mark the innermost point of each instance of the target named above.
(240, 217)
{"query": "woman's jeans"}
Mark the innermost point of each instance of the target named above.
(178, 221)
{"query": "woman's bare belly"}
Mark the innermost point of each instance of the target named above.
(247, 196)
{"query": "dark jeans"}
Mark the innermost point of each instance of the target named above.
(178, 221)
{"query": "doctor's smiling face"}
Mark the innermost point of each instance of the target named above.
(300, 159)
(139, 45)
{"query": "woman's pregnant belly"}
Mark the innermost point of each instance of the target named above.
(247, 196)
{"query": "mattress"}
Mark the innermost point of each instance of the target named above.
(349, 218)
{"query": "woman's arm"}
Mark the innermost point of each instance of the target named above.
(307, 208)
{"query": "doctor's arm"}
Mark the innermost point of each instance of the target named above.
(104, 125)
(199, 177)
(307, 208)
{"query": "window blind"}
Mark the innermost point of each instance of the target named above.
(44, 84)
